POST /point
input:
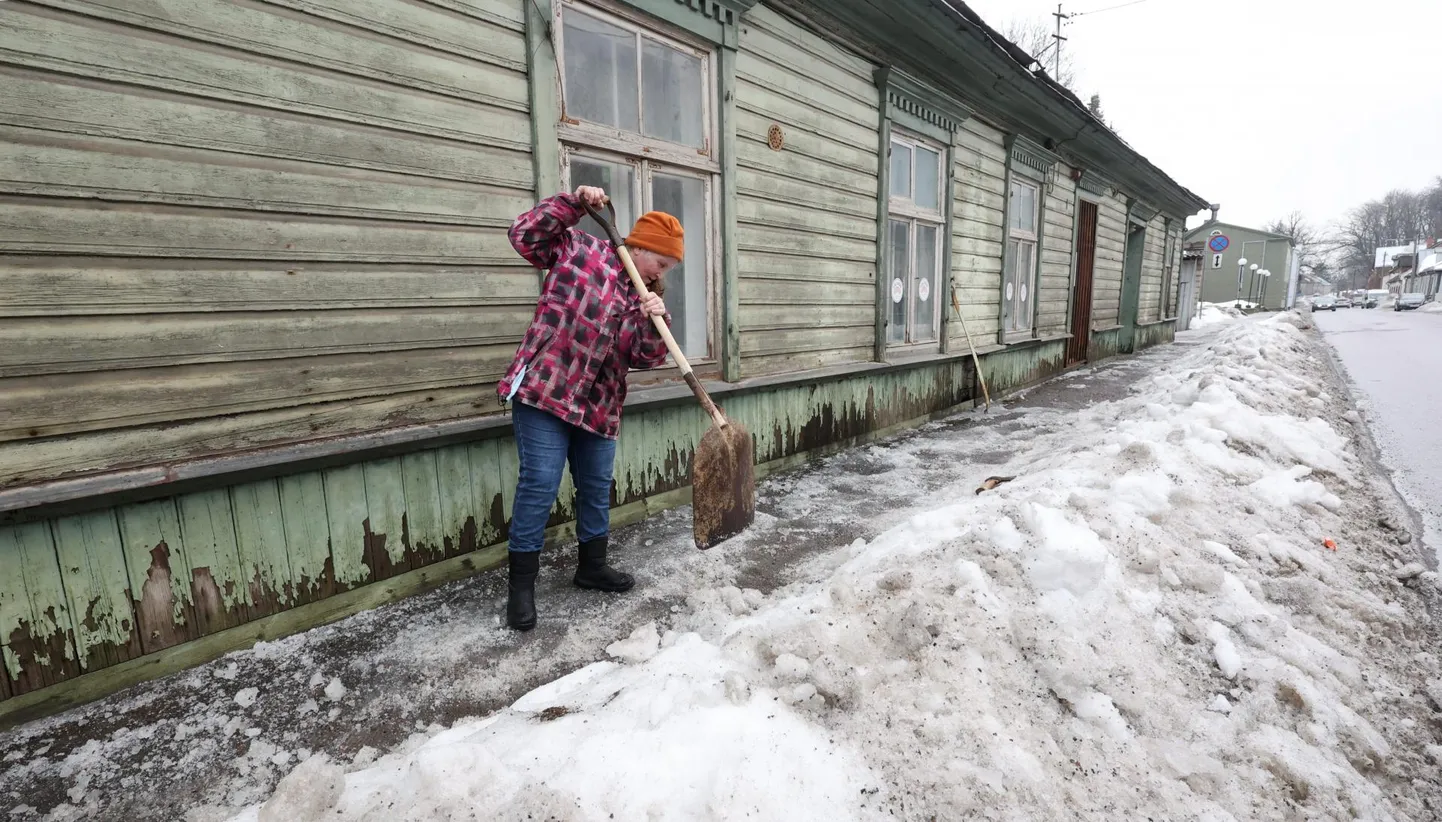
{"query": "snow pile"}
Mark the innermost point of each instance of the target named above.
(677, 737)
(1143, 624)
(1434, 307)
(1216, 313)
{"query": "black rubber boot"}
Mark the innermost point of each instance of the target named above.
(521, 597)
(593, 572)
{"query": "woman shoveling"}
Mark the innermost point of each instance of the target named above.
(567, 382)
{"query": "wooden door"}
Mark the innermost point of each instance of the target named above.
(1081, 304)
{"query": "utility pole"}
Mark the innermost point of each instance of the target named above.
(1056, 58)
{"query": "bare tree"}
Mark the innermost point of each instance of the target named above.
(1304, 238)
(1034, 36)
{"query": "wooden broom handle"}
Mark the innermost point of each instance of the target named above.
(660, 322)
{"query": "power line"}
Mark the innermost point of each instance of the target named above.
(1108, 8)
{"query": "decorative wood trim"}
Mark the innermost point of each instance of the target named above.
(1030, 159)
(1094, 182)
(883, 211)
(545, 93)
(1141, 212)
(932, 107)
(730, 254)
(715, 21)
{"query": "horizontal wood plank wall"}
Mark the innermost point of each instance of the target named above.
(806, 214)
(1055, 274)
(1152, 261)
(235, 224)
(976, 231)
(1111, 248)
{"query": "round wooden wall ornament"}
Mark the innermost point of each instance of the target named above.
(775, 138)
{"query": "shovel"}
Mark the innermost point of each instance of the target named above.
(723, 473)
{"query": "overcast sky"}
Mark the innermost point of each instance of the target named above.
(1265, 106)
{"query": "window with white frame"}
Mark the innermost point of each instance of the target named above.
(637, 120)
(1019, 278)
(914, 241)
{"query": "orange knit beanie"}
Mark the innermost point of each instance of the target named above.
(659, 232)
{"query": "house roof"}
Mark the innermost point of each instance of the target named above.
(1211, 224)
(945, 44)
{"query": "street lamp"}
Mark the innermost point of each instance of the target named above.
(1252, 283)
(1241, 265)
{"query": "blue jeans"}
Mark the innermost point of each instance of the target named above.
(544, 444)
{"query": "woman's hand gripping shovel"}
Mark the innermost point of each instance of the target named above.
(723, 474)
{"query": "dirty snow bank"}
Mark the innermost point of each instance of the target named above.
(1216, 313)
(1143, 624)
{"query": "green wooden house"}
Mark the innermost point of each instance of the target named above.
(258, 290)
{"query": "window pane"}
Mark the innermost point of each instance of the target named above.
(600, 71)
(924, 283)
(618, 179)
(686, 288)
(1023, 208)
(928, 171)
(1026, 263)
(671, 95)
(900, 170)
(899, 254)
(1008, 285)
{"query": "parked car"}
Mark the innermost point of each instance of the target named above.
(1409, 301)
(1324, 302)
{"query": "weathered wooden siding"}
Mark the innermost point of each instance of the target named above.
(806, 214)
(236, 224)
(978, 218)
(1111, 251)
(1055, 273)
(1153, 257)
(82, 593)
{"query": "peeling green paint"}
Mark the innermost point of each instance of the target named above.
(97, 587)
(1019, 366)
(1104, 344)
(1155, 334)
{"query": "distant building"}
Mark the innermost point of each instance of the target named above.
(1222, 281)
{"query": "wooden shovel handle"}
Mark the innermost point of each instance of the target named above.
(640, 285)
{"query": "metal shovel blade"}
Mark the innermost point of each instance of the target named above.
(723, 484)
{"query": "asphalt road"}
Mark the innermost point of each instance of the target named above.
(1394, 360)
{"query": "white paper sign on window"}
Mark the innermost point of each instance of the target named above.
(923, 290)
(898, 290)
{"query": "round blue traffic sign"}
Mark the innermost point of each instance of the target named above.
(1219, 243)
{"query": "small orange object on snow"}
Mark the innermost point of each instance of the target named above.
(1330, 544)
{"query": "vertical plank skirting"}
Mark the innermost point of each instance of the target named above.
(159, 576)
(97, 587)
(305, 516)
(265, 575)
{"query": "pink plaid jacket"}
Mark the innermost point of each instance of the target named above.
(588, 330)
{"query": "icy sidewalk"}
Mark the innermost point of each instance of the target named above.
(1143, 623)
